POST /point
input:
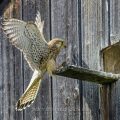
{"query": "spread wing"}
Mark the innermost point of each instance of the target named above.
(14, 29)
(28, 38)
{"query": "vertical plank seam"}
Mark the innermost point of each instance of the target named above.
(66, 19)
(109, 30)
(50, 19)
(14, 64)
(2, 76)
(51, 81)
(22, 61)
(80, 58)
(109, 43)
(9, 90)
(35, 18)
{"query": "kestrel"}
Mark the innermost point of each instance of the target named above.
(39, 54)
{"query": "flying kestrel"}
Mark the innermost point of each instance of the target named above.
(40, 55)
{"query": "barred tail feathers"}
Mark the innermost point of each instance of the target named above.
(30, 93)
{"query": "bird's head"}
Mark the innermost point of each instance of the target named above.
(58, 43)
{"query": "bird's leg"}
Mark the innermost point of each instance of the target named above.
(64, 63)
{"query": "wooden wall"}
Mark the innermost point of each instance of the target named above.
(87, 26)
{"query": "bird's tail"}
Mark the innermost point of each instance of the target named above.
(30, 93)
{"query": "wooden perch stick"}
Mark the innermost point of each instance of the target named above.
(84, 74)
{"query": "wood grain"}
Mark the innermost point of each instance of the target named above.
(41, 109)
(66, 100)
(94, 36)
(76, 72)
(11, 72)
(87, 26)
(1, 74)
(44, 100)
(114, 58)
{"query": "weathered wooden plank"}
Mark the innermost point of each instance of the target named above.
(8, 96)
(89, 33)
(84, 74)
(114, 21)
(29, 12)
(115, 37)
(104, 89)
(8, 80)
(11, 66)
(7, 77)
(66, 99)
(18, 68)
(1, 74)
(94, 29)
(41, 109)
(103, 25)
(44, 100)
